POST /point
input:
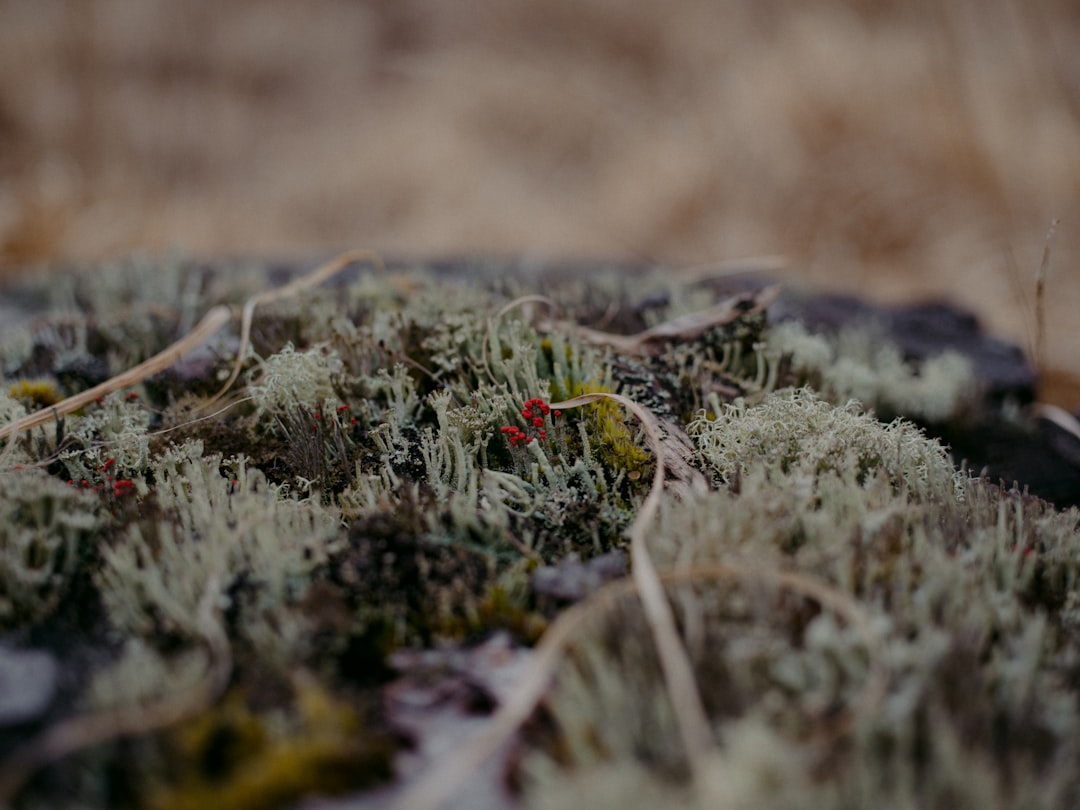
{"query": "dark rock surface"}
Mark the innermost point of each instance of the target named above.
(1000, 439)
(27, 684)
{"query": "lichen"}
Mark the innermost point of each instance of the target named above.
(867, 625)
(793, 433)
(958, 667)
(291, 379)
(108, 441)
(43, 525)
(857, 364)
(212, 518)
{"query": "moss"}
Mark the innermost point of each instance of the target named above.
(614, 441)
(235, 759)
(356, 493)
(505, 607)
(35, 394)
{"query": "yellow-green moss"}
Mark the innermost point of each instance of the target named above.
(35, 393)
(616, 436)
(234, 759)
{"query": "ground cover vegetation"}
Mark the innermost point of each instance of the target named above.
(728, 566)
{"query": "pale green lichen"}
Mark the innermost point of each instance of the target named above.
(796, 434)
(398, 389)
(213, 527)
(112, 433)
(857, 364)
(43, 525)
(16, 346)
(291, 378)
(961, 585)
(357, 493)
(11, 409)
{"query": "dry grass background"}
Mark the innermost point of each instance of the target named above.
(896, 149)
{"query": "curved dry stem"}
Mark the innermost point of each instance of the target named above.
(693, 722)
(1040, 300)
(211, 323)
(675, 663)
(508, 307)
(439, 784)
(203, 331)
(83, 731)
(317, 276)
(685, 327)
(826, 595)
(207, 417)
(1058, 415)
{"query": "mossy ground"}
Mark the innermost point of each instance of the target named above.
(227, 582)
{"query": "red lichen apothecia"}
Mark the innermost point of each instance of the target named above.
(535, 413)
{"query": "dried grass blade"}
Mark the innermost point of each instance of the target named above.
(211, 323)
(683, 691)
(686, 327)
(317, 276)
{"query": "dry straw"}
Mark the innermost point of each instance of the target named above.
(211, 323)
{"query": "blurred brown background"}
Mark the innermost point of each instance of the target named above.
(888, 148)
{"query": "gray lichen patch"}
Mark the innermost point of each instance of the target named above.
(959, 658)
(857, 364)
(44, 524)
(866, 623)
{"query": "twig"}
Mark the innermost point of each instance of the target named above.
(1058, 415)
(683, 691)
(693, 722)
(826, 595)
(211, 323)
(684, 328)
(439, 784)
(317, 276)
(1040, 300)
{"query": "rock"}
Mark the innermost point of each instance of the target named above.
(27, 684)
(572, 580)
